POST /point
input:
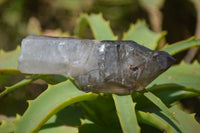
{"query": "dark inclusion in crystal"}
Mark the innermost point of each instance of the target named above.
(99, 66)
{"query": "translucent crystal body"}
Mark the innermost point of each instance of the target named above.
(98, 66)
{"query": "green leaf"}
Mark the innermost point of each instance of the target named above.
(149, 119)
(160, 105)
(51, 101)
(126, 112)
(187, 122)
(9, 59)
(60, 129)
(6, 126)
(186, 75)
(53, 79)
(19, 84)
(98, 25)
(64, 121)
(141, 34)
(170, 93)
(181, 46)
(88, 126)
(9, 71)
(102, 106)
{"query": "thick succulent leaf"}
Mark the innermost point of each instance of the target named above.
(186, 75)
(138, 97)
(64, 121)
(8, 65)
(141, 34)
(51, 101)
(149, 119)
(88, 126)
(6, 126)
(126, 112)
(53, 79)
(181, 46)
(8, 71)
(102, 106)
(9, 59)
(81, 26)
(60, 129)
(170, 93)
(187, 122)
(167, 93)
(7, 75)
(19, 84)
(99, 27)
(160, 105)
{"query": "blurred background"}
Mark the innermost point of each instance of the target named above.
(19, 18)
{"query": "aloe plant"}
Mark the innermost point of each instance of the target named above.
(152, 110)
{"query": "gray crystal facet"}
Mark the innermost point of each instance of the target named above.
(98, 66)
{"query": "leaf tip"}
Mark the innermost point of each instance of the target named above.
(29, 102)
(18, 116)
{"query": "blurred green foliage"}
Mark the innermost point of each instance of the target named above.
(179, 17)
(149, 111)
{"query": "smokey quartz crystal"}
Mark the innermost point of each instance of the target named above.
(99, 66)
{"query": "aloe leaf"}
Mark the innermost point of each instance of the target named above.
(8, 65)
(88, 126)
(64, 121)
(100, 28)
(160, 105)
(81, 26)
(181, 46)
(19, 84)
(186, 75)
(6, 126)
(187, 122)
(55, 98)
(7, 71)
(141, 34)
(149, 119)
(53, 79)
(170, 93)
(102, 106)
(60, 129)
(126, 112)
